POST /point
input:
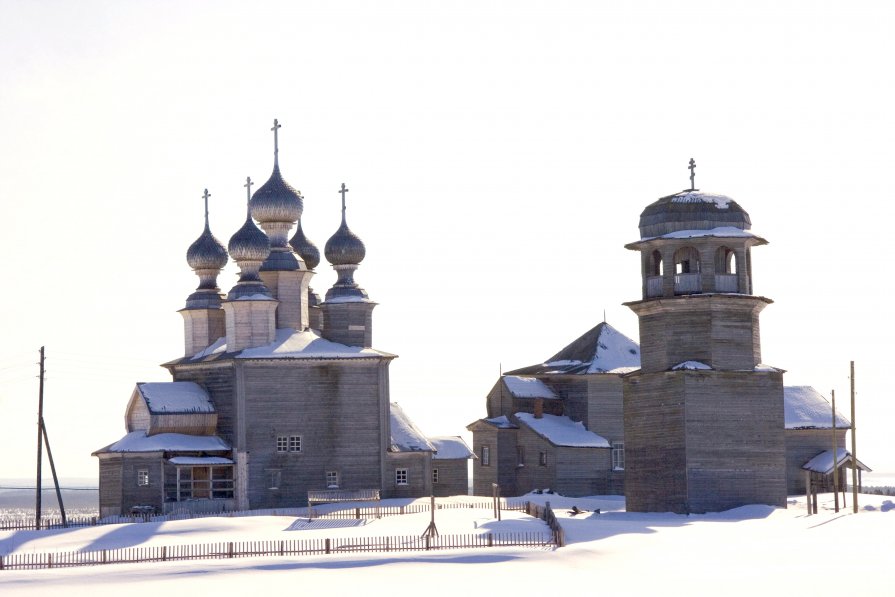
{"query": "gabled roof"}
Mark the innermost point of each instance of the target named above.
(451, 447)
(602, 349)
(173, 397)
(501, 422)
(805, 408)
(823, 462)
(138, 441)
(288, 344)
(405, 436)
(528, 387)
(562, 431)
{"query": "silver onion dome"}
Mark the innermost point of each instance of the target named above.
(344, 247)
(206, 252)
(307, 250)
(276, 200)
(249, 243)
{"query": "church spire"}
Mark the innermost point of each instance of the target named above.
(344, 250)
(207, 257)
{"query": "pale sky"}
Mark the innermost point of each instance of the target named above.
(498, 156)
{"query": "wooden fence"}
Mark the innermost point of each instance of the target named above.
(27, 524)
(172, 553)
(546, 514)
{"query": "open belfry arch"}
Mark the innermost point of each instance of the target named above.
(703, 417)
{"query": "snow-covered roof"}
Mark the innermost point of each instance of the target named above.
(291, 344)
(175, 397)
(528, 387)
(719, 232)
(405, 436)
(451, 447)
(562, 431)
(696, 196)
(350, 298)
(805, 408)
(199, 460)
(823, 462)
(138, 441)
(501, 422)
(602, 349)
(691, 366)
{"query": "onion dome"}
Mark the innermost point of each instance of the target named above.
(249, 243)
(692, 209)
(207, 257)
(344, 247)
(307, 250)
(206, 252)
(249, 247)
(276, 200)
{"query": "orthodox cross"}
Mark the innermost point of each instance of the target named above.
(276, 145)
(205, 196)
(692, 168)
(248, 186)
(343, 190)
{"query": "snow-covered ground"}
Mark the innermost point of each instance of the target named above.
(754, 550)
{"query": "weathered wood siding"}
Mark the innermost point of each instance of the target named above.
(335, 406)
(704, 441)
(719, 330)
(137, 416)
(419, 474)
(502, 467)
(453, 476)
(801, 446)
(348, 323)
(531, 475)
(499, 401)
(655, 458)
(605, 407)
(137, 495)
(110, 485)
(218, 381)
(583, 471)
(186, 423)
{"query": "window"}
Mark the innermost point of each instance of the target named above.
(618, 456)
(542, 458)
(486, 456)
(273, 479)
(142, 478)
(401, 476)
(332, 479)
(520, 455)
(435, 475)
(288, 443)
(201, 483)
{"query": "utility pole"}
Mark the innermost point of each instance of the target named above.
(40, 419)
(854, 448)
(42, 439)
(835, 456)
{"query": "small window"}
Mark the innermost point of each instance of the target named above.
(618, 456)
(332, 479)
(486, 456)
(143, 478)
(542, 458)
(520, 455)
(273, 479)
(435, 475)
(282, 443)
(401, 476)
(295, 443)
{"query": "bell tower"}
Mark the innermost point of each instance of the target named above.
(703, 416)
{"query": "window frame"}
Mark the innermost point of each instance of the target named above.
(486, 455)
(295, 444)
(143, 477)
(402, 478)
(332, 479)
(282, 444)
(434, 476)
(618, 455)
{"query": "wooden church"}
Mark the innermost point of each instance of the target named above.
(688, 421)
(277, 393)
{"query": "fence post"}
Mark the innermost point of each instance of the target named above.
(49, 560)
(164, 553)
(104, 556)
(230, 550)
(490, 540)
(281, 548)
(328, 546)
(357, 513)
(1, 563)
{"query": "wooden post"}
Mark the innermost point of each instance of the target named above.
(835, 456)
(40, 418)
(854, 449)
(808, 490)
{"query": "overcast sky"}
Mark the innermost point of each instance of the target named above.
(498, 155)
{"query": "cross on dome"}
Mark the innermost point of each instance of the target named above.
(205, 196)
(342, 191)
(692, 168)
(276, 144)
